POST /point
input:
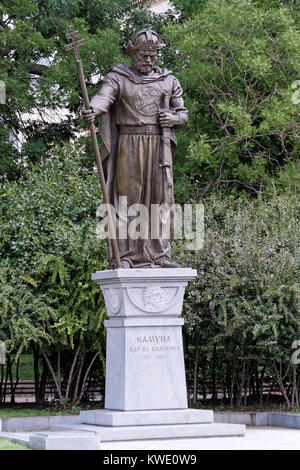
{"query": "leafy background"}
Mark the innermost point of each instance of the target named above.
(239, 155)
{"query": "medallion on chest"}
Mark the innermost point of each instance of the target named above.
(147, 99)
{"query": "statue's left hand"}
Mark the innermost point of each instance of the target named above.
(168, 119)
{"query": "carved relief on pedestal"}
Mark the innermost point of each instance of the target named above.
(153, 298)
(113, 299)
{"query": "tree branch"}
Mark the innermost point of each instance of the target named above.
(71, 372)
(58, 386)
(212, 180)
(37, 69)
(78, 379)
(84, 383)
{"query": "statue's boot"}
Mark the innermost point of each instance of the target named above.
(166, 263)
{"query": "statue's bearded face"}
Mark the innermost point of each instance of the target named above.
(143, 61)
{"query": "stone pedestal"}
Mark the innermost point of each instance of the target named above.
(145, 389)
(64, 441)
(145, 368)
(144, 355)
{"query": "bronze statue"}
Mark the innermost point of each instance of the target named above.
(139, 106)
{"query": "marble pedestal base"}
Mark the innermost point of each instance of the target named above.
(144, 364)
(144, 355)
(145, 389)
(112, 418)
(111, 425)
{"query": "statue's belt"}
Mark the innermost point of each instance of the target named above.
(146, 130)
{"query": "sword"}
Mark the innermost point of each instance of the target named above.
(166, 165)
(166, 162)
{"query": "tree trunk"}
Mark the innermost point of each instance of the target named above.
(14, 385)
(71, 372)
(295, 399)
(58, 368)
(78, 380)
(239, 397)
(9, 368)
(249, 374)
(195, 384)
(232, 384)
(84, 382)
(228, 382)
(6, 378)
(204, 375)
(57, 384)
(279, 378)
(43, 381)
(36, 357)
(213, 377)
(261, 385)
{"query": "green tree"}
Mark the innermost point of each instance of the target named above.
(49, 249)
(41, 77)
(237, 62)
(245, 300)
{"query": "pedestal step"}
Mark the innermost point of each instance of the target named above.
(64, 441)
(145, 418)
(172, 431)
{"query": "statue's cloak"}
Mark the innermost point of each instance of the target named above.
(132, 161)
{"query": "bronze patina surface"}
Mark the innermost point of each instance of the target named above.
(139, 106)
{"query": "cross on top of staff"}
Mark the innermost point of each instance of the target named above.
(75, 44)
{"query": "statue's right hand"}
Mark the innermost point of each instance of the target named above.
(88, 115)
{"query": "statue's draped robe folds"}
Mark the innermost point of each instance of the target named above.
(131, 158)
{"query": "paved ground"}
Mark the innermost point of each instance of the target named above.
(257, 438)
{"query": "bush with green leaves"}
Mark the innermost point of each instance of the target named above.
(238, 62)
(49, 248)
(246, 298)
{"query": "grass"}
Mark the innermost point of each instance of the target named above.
(274, 403)
(22, 410)
(8, 445)
(6, 413)
(26, 412)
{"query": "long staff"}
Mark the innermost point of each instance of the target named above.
(111, 228)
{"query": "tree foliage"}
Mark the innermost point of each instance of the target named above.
(246, 297)
(43, 96)
(237, 62)
(49, 249)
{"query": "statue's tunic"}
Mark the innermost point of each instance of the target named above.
(129, 105)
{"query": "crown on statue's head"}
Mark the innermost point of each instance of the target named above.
(146, 40)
